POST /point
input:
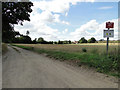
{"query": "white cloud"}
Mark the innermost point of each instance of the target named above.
(39, 30)
(93, 29)
(38, 26)
(105, 7)
(58, 6)
(64, 22)
(65, 31)
(49, 8)
(49, 12)
(46, 15)
(66, 14)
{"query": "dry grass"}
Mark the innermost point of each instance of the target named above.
(91, 47)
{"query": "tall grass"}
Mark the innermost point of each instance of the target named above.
(101, 48)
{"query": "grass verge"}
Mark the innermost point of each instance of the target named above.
(4, 48)
(107, 64)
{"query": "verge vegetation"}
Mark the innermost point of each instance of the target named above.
(4, 48)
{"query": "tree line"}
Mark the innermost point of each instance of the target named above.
(20, 38)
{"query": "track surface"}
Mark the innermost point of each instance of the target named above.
(26, 69)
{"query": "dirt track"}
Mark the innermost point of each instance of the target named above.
(26, 69)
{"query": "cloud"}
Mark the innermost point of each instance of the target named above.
(38, 26)
(66, 14)
(49, 9)
(105, 7)
(44, 13)
(49, 12)
(93, 29)
(58, 6)
(39, 30)
(65, 31)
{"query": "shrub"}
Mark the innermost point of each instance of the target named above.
(84, 49)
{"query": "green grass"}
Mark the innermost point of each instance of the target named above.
(27, 48)
(103, 63)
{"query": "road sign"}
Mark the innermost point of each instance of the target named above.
(109, 24)
(108, 33)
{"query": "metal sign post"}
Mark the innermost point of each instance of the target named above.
(108, 33)
(107, 42)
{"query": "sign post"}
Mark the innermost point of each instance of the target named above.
(108, 33)
(107, 42)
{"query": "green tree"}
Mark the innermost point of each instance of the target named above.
(92, 40)
(41, 40)
(69, 42)
(22, 39)
(55, 42)
(26, 39)
(82, 40)
(60, 42)
(27, 33)
(35, 41)
(14, 13)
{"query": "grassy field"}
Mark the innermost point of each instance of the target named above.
(4, 48)
(92, 55)
(98, 48)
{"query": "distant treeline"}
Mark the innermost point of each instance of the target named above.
(25, 39)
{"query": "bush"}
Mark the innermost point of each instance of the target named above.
(84, 49)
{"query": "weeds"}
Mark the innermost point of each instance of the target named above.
(95, 50)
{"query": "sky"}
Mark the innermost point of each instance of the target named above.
(70, 19)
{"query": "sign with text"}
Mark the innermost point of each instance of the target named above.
(109, 24)
(108, 33)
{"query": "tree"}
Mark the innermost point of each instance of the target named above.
(60, 42)
(14, 13)
(82, 40)
(69, 42)
(101, 40)
(55, 42)
(34, 41)
(41, 40)
(27, 33)
(22, 39)
(92, 40)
